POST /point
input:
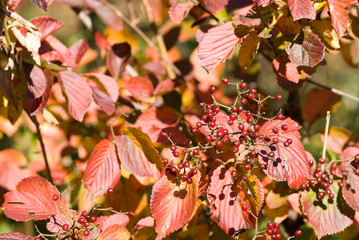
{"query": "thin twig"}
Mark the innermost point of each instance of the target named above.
(38, 132)
(326, 135)
(334, 90)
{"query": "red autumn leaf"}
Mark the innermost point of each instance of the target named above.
(215, 5)
(302, 9)
(285, 69)
(102, 171)
(109, 17)
(350, 152)
(11, 174)
(36, 80)
(118, 219)
(137, 154)
(308, 53)
(78, 50)
(327, 216)
(339, 14)
(145, 222)
(262, 3)
(114, 232)
(154, 120)
(14, 236)
(351, 185)
(117, 58)
(164, 87)
(42, 3)
(227, 198)
(140, 88)
(289, 163)
(32, 199)
(108, 83)
(179, 11)
(173, 203)
(78, 92)
(217, 45)
(46, 25)
(103, 101)
(57, 52)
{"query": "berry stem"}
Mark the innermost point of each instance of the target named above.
(326, 135)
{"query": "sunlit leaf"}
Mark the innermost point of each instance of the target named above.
(326, 32)
(248, 51)
(114, 232)
(32, 199)
(102, 171)
(289, 163)
(217, 45)
(108, 83)
(302, 9)
(285, 69)
(179, 11)
(14, 236)
(172, 203)
(118, 219)
(78, 50)
(215, 5)
(351, 185)
(46, 25)
(140, 88)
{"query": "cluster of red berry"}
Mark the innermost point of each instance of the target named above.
(273, 231)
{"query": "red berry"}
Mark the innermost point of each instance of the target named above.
(263, 166)
(275, 130)
(321, 160)
(331, 195)
(176, 154)
(184, 176)
(225, 80)
(173, 148)
(234, 173)
(271, 154)
(225, 131)
(286, 144)
(180, 166)
(284, 127)
(247, 167)
(289, 141)
(65, 227)
(245, 178)
(256, 134)
(234, 109)
(208, 138)
(328, 191)
(37, 238)
(269, 231)
(195, 152)
(311, 162)
(93, 219)
(241, 127)
(55, 197)
(278, 97)
(278, 236)
(244, 133)
(280, 116)
(311, 181)
(340, 184)
(86, 232)
(276, 226)
(225, 139)
(84, 213)
(249, 120)
(240, 109)
(244, 100)
(298, 233)
(270, 225)
(165, 161)
(189, 181)
(82, 220)
(164, 134)
(87, 224)
(256, 127)
(252, 90)
(195, 171)
(212, 89)
(235, 149)
(131, 214)
(187, 164)
(333, 166)
(252, 153)
(275, 140)
(356, 158)
(357, 171)
(317, 169)
(250, 95)
(321, 194)
(194, 130)
(243, 85)
(232, 116)
(199, 124)
(217, 109)
(244, 207)
(212, 124)
(230, 122)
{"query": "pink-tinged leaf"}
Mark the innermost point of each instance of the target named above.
(78, 50)
(78, 92)
(103, 101)
(59, 52)
(154, 120)
(327, 216)
(14, 4)
(36, 80)
(141, 88)
(215, 5)
(350, 152)
(117, 58)
(11, 174)
(285, 69)
(46, 25)
(108, 83)
(217, 45)
(42, 3)
(118, 219)
(179, 11)
(114, 232)
(102, 171)
(308, 53)
(289, 163)
(351, 185)
(261, 3)
(339, 14)
(55, 222)
(14, 236)
(108, 16)
(35, 105)
(227, 197)
(137, 154)
(32, 199)
(302, 9)
(164, 87)
(145, 222)
(173, 203)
